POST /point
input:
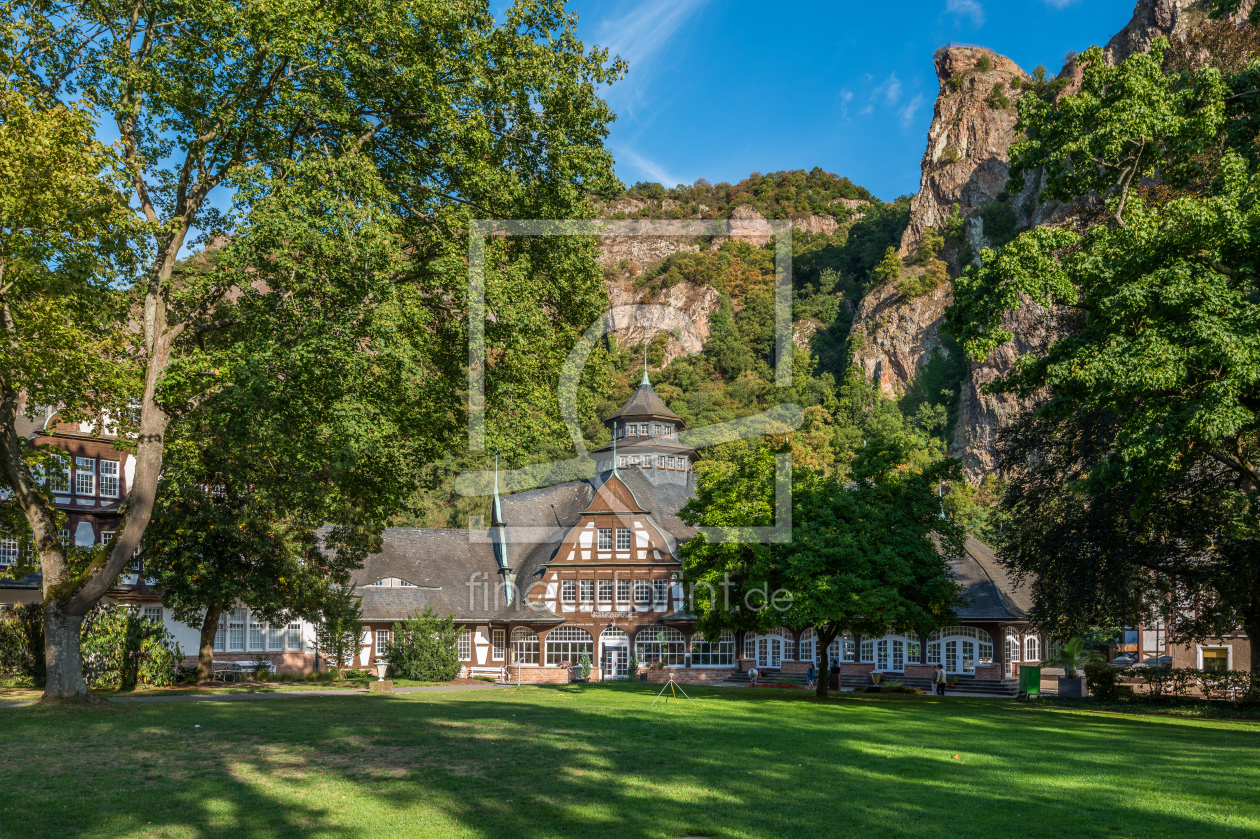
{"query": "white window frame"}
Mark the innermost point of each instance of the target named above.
(293, 636)
(10, 550)
(642, 591)
(660, 644)
(525, 646)
(257, 638)
(382, 640)
(152, 613)
(568, 591)
(463, 646)
(110, 478)
(61, 468)
(623, 535)
(720, 653)
(220, 633)
(85, 476)
(236, 631)
(1032, 648)
(623, 461)
(586, 591)
(567, 643)
(604, 593)
(498, 645)
(604, 539)
(275, 638)
(623, 591)
(660, 591)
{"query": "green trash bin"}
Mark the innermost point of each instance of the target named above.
(1030, 680)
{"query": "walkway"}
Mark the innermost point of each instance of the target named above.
(288, 694)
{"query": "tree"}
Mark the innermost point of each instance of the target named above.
(343, 134)
(423, 648)
(340, 626)
(864, 555)
(889, 268)
(1137, 483)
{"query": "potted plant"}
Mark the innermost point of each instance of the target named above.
(876, 676)
(1072, 657)
(952, 681)
(585, 662)
(632, 667)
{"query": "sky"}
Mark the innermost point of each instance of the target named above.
(718, 89)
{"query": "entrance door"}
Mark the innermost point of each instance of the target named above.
(1012, 656)
(614, 665)
(769, 651)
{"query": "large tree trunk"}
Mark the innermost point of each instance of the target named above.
(1252, 625)
(822, 643)
(205, 652)
(61, 653)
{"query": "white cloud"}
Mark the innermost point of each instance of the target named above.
(648, 168)
(970, 8)
(640, 33)
(1060, 4)
(889, 90)
(907, 113)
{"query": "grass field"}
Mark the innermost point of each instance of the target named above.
(596, 760)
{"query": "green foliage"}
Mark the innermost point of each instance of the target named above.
(957, 80)
(984, 64)
(931, 399)
(338, 627)
(585, 663)
(1071, 656)
(890, 267)
(632, 667)
(998, 98)
(861, 557)
(424, 648)
(1102, 679)
(977, 509)
(1042, 87)
(1016, 82)
(950, 155)
(1001, 225)
(120, 648)
(777, 195)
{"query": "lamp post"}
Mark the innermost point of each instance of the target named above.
(381, 666)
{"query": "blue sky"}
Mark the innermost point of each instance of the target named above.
(721, 88)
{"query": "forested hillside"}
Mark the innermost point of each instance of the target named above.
(732, 376)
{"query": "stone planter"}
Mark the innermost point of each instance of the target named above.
(1071, 687)
(875, 677)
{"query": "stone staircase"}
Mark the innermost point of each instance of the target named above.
(768, 676)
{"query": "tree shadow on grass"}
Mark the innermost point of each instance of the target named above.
(599, 760)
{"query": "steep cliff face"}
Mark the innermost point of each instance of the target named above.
(967, 162)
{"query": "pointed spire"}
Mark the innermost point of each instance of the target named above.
(645, 376)
(498, 508)
(614, 447)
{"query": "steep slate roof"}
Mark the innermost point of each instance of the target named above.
(645, 403)
(990, 592)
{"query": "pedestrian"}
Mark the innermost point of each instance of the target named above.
(812, 676)
(939, 677)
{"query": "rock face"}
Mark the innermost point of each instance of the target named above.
(686, 318)
(967, 162)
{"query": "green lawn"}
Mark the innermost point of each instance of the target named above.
(595, 760)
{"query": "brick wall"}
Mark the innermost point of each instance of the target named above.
(689, 675)
(294, 662)
(539, 675)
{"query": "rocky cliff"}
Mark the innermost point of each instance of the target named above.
(967, 163)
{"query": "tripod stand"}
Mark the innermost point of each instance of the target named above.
(674, 689)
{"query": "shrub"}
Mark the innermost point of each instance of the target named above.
(585, 663)
(1102, 679)
(997, 97)
(899, 687)
(889, 268)
(957, 80)
(424, 648)
(1000, 223)
(1016, 82)
(1224, 684)
(22, 642)
(985, 64)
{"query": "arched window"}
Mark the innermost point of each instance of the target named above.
(524, 646)
(788, 639)
(613, 633)
(1032, 648)
(892, 652)
(1012, 649)
(960, 648)
(718, 653)
(567, 643)
(659, 643)
(841, 648)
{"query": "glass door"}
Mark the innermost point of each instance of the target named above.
(615, 660)
(898, 655)
(968, 656)
(776, 652)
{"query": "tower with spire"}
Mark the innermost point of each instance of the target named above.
(645, 439)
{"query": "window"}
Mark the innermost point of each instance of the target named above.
(660, 591)
(567, 643)
(275, 637)
(257, 634)
(568, 591)
(8, 551)
(623, 591)
(788, 640)
(109, 478)
(623, 539)
(720, 653)
(662, 644)
(60, 480)
(634, 460)
(1032, 649)
(220, 634)
(960, 648)
(868, 651)
(463, 646)
(642, 591)
(634, 428)
(293, 637)
(498, 644)
(670, 462)
(236, 631)
(647, 461)
(750, 645)
(605, 591)
(153, 613)
(623, 461)
(660, 462)
(605, 539)
(65, 537)
(382, 641)
(1215, 660)
(106, 535)
(808, 639)
(587, 590)
(524, 646)
(656, 429)
(84, 476)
